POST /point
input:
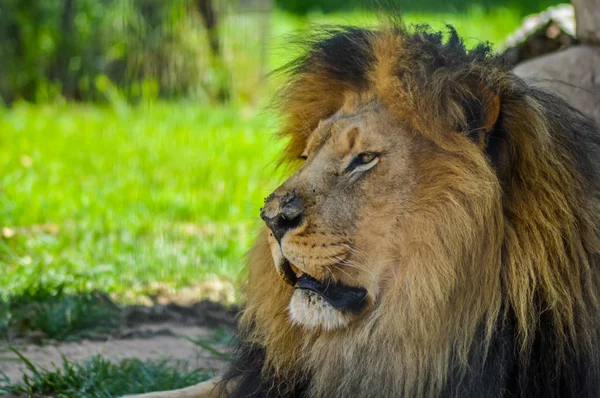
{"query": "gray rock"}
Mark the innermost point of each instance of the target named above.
(573, 74)
(587, 14)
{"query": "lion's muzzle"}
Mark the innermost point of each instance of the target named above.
(304, 260)
(351, 299)
(282, 213)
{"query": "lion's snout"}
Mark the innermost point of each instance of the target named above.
(282, 213)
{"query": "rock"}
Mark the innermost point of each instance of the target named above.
(573, 74)
(587, 13)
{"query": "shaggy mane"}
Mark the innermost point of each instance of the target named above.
(539, 294)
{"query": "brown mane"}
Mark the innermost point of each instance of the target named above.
(519, 269)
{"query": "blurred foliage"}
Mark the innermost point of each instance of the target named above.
(436, 6)
(132, 49)
(72, 48)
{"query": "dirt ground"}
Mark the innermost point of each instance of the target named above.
(159, 332)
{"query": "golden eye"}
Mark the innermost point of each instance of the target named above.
(363, 161)
(365, 157)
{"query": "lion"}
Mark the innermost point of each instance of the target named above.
(439, 236)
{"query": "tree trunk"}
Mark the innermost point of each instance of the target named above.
(209, 17)
(61, 70)
(587, 16)
(211, 24)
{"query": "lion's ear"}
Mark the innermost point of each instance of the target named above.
(481, 109)
(492, 112)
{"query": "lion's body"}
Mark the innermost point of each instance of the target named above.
(473, 233)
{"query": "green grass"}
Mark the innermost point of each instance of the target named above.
(95, 198)
(99, 378)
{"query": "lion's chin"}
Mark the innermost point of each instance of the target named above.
(323, 304)
(310, 310)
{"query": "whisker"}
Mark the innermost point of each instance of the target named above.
(329, 280)
(346, 273)
(353, 264)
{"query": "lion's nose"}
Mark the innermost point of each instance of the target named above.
(282, 213)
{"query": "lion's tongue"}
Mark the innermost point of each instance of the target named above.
(342, 297)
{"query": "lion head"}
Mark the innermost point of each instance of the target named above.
(334, 225)
(369, 191)
(439, 235)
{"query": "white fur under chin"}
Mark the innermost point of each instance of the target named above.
(310, 310)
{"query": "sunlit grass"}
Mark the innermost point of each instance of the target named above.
(115, 200)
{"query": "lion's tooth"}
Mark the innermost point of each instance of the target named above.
(294, 268)
(299, 274)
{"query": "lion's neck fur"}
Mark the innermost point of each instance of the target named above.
(551, 243)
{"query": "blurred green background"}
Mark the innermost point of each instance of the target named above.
(136, 144)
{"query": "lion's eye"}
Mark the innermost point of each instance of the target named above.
(366, 157)
(362, 162)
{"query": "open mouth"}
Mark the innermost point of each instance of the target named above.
(340, 296)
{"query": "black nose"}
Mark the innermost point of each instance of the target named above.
(288, 215)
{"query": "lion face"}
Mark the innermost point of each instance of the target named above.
(331, 220)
